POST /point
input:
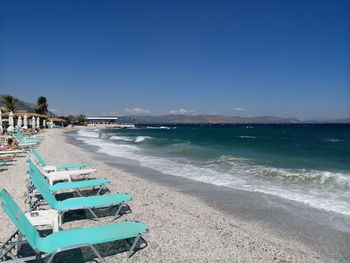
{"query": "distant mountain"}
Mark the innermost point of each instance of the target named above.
(335, 121)
(345, 121)
(204, 119)
(219, 119)
(23, 106)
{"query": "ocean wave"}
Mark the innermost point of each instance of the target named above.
(121, 138)
(160, 127)
(334, 140)
(88, 133)
(311, 178)
(246, 137)
(142, 138)
(319, 189)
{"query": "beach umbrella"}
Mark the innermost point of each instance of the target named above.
(1, 122)
(44, 123)
(25, 122)
(19, 122)
(11, 122)
(38, 122)
(33, 123)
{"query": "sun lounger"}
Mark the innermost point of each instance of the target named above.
(77, 185)
(49, 246)
(27, 135)
(7, 155)
(87, 203)
(50, 168)
(20, 136)
(12, 151)
(27, 140)
(26, 144)
(63, 175)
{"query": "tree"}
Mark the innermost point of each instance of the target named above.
(81, 118)
(41, 105)
(10, 102)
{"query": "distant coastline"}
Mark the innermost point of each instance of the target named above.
(220, 119)
(23, 106)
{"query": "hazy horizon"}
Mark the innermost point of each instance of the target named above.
(288, 59)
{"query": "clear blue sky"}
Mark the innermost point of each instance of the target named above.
(245, 58)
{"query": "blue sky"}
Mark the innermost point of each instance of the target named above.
(239, 58)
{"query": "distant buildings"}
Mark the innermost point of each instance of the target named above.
(101, 119)
(107, 122)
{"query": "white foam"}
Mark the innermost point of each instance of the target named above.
(160, 127)
(246, 137)
(121, 138)
(142, 138)
(334, 140)
(240, 174)
(88, 133)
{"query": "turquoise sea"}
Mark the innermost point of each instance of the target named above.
(304, 163)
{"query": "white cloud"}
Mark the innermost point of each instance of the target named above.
(239, 109)
(181, 111)
(136, 110)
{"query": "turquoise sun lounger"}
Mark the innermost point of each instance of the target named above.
(23, 139)
(28, 135)
(64, 166)
(70, 204)
(76, 185)
(20, 136)
(49, 246)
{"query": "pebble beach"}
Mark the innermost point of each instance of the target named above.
(183, 228)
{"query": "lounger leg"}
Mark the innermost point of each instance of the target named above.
(51, 257)
(79, 193)
(19, 241)
(97, 253)
(60, 219)
(131, 251)
(92, 212)
(118, 211)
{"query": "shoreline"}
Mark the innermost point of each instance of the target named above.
(287, 218)
(184, 227)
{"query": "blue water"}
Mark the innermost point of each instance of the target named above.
(304, 163)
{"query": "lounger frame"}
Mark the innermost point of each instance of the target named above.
(16, 240)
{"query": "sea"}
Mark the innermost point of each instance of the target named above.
(306, 163)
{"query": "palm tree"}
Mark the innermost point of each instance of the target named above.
(41, 105)
(10, 102)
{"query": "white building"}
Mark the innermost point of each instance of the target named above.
(102, 119)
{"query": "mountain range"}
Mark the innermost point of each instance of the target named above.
(218, 119)
(23, 106)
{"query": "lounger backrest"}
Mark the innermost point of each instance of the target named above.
(38, 157)
(20, 135)
(18, 218)
(41, 184)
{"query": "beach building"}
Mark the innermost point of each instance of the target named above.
(107, 122)
(101, 119)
